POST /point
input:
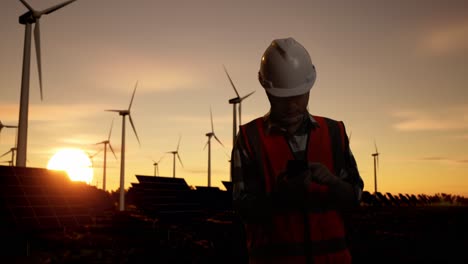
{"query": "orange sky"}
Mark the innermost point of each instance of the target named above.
(393, 71)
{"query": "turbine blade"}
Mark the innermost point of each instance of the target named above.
(230, 80)
(375, 145)
(211, 117)
(134, 130)
(97, 152)
(112, 110)
(6, 153)
(178, 144)
(58, 6)
(219, 141)
(110, 131)
(178, 157)
(242, 98)
(206, 144)
(133, 95)
(110, 146)
(160, 158)
(27, 5)
(37, 39)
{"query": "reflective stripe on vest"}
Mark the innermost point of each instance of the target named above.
(286, 234)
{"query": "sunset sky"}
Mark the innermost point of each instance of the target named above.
(393, 71)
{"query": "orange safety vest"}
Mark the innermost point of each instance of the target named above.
(315, 234)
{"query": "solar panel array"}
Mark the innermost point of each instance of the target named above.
(164, 197)
(34, 199)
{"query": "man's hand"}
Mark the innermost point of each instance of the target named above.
(291, 187)
(319, 173)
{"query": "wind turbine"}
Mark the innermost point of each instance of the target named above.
(376, 165)
(91, 157)
(234, 101)
(12, 151)
(106, 142)
(155, 164)
(124, 113)
(27, 19)
(174, 154)
(6, 126)
(208, 143)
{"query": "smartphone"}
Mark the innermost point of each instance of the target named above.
(296, 167)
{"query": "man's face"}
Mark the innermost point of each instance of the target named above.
(288, 110)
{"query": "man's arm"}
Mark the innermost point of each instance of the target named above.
(249, 198)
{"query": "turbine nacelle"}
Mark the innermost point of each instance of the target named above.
(235, 100)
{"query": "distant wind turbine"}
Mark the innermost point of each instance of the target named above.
(208, 143)
(91, 157)
(6, 126)
(156, 164)
(106, 142)
(124, 113)
(376, 165)
(27, 19)
(12, 151)
(174, 154)
(234, 101)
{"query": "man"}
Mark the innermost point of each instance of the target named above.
(294, 175)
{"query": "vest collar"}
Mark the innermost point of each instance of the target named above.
(308, 123)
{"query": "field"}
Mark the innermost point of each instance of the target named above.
(167, 221)
(378, 235)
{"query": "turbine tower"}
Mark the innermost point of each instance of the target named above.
(174, 154)
(124, 113)
(236, 101)
(208, 143)
(6, 126)
(31, 17)
(376, 165)
(106, 142)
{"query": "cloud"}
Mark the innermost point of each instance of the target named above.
(449, 119)
(443, 159)
(447, 40)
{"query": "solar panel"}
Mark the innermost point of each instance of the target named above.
(34, 199)
(164, 197)
(227, 185)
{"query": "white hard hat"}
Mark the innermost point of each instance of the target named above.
(286, 69)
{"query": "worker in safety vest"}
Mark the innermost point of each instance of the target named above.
(294, 175)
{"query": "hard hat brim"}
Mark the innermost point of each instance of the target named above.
(301, 89)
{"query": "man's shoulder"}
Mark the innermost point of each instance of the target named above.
(324, 118)
(252, 122)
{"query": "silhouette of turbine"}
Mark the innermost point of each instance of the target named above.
(234, 101)
(376, 165)
(12, 151)
(106, 142)
(174, 154)
(31, 17)
(208, 143)
(156, 165)
(124, 113)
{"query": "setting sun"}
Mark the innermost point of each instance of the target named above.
(75, 162)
